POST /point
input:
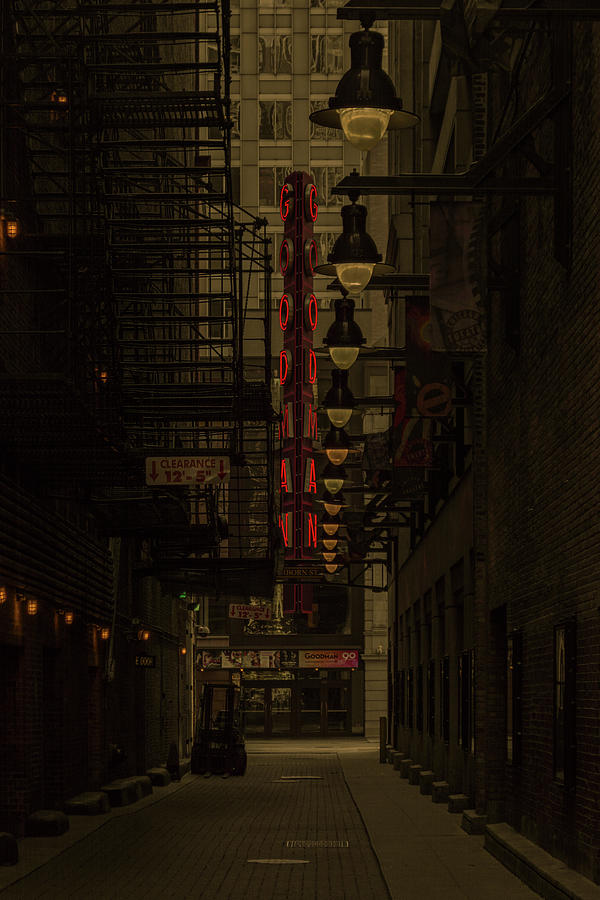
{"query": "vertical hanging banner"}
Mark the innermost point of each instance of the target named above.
(298, 314)
(456, 276)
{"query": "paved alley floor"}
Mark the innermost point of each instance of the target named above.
(322, 821)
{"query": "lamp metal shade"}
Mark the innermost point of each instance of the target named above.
(365, 87)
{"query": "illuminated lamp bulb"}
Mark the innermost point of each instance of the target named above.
(183, 650)
(32, 607)
(365, 103)
(354, 257)
(143, 634)
(12, 228)
(330, 543)
(344, 337)
(364, 127)
(3, 595)
(337, 445)
(339, 400)
(333, 478)
(69, 616)
(330, 527)
(104, 633)
(333, 504)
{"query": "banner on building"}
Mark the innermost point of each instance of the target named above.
(278, 659)
(456, 276)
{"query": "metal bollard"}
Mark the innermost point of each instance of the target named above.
(382, 739)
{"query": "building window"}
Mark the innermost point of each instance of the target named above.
(270, 179)
(275, 120)
(445, 697)
(431, 698)
(215, 133)
(213, 54)
(465, 701)
(564, 703)
(275, 54)
(325, 178)
(410, 692)
(403, 697)
(514, 660)
(319, 132)
(420, 697)
(326, 54)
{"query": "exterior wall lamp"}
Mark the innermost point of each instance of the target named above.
(354, 257)
(333, 504)
(333, 478)
(32, 607)
(365, 103)
(3, 595)
(104, 633)
(337, 445)
(330, 524)
(344, 337)
(339, 400)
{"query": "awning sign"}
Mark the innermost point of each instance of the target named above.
(328, 659)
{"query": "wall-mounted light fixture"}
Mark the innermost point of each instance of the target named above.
(333, 478)
(104, 633)
(365, 103)
(330, 524)
(69, 616)
(339, 400)
(337, 445)
(333, 502)
(354, 257)
(344, 337)
(143, 634)
(32, 607)
(3, 595)
(183, 650)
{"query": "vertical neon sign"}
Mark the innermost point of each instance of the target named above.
(298, 315)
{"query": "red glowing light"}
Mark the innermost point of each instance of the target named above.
(312, 529)
(311, 312)
(286, 201)
(311, 208)
(312, 366)
(286, 256)
(311, 257)
(284, 312)
(310, 477)
(286, 476)
(284, 365)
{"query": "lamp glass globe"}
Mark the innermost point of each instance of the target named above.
(330, 527)
(337, 455)
(333, 485)
(331, 567)
(343, 357)
(328, 557)
(364, 127)
(330, 543)
(339, 417)
(332, 508)
(354, 276)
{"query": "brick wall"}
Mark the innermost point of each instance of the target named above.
(543, 458)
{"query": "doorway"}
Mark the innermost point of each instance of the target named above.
(317, 708)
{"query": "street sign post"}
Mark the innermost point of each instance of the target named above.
(187, 470)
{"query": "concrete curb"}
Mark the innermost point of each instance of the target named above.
(544, 874)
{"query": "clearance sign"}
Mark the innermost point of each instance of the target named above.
(298, 373)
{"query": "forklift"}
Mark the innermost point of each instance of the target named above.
(219, 747)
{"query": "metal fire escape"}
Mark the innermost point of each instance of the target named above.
(125, 109)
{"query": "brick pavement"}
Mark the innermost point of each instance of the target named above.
(196, 842)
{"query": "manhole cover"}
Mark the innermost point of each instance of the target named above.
(278, 862)
(306, 844)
